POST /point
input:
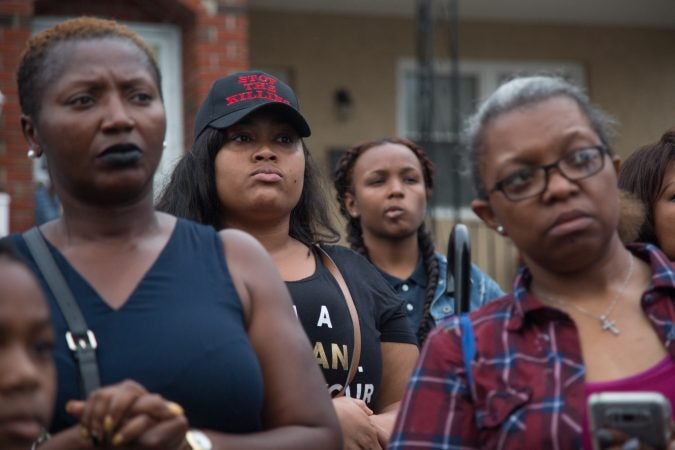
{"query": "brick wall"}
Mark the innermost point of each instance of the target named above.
(214, 42)
(15, 167)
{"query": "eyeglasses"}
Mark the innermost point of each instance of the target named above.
(532, 181)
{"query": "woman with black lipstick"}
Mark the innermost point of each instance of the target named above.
(194, 328)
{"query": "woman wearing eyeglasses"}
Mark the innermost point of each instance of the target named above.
(586, 314)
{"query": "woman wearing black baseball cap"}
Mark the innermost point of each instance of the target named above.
(250, 169)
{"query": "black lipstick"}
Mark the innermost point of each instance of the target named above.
(121, 155)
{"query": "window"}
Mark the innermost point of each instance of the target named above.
(478, 79)
(165, 41)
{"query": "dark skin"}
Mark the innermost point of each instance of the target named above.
(579, 256)
(616, 440)
(27, 374)
(105, 95)
(389, 197)
(259, 175)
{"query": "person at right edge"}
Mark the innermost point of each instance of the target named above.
(586, 314)
(649, 174)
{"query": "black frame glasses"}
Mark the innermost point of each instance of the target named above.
(532, 181)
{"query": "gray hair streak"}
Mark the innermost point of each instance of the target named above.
(521, 92)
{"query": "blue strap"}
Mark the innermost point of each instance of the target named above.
(468, 346)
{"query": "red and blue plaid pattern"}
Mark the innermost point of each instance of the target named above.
(528, 373)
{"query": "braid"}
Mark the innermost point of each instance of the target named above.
(342, 180)
(355, 237)
(343, 186)
(426, 245)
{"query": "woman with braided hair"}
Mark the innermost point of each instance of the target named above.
(382, 187)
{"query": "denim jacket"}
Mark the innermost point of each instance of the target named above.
(483, 289)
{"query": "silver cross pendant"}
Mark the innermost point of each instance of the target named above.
(608, 325)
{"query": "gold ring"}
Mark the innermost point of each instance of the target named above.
(175, 408)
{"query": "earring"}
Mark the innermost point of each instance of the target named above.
(501, 230)
(164, 145)
(32, 154)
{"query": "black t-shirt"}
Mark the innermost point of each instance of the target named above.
(323, 312)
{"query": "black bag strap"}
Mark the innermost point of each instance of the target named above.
(356, 354)
(81, 340)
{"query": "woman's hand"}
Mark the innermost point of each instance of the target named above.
(384, 424)
(610, 439)
(125, 414)
(358, 431)
(616, 440)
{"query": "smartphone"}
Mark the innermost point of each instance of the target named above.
(644, 415)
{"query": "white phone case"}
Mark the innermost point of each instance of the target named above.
(644, 415)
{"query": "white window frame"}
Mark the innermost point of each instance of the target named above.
(166, 39)
(487, 73)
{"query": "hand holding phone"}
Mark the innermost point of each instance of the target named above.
(642, 415)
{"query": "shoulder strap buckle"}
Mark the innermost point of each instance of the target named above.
(83, 342)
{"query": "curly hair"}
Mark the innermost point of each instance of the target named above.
(36, 71)
(344, 183)
(642, 174)
(191, 193)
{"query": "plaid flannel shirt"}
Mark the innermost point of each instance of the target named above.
(528, 373)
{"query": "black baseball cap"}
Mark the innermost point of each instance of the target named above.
(235, 96)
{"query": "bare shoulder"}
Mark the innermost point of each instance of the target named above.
(251, 267)
(249, 260)
(243, 252)
(240, 240)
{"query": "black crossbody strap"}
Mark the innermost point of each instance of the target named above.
(80, 338)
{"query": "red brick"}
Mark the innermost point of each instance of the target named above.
(20, 7)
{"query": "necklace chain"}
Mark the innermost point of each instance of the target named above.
(605, 323)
